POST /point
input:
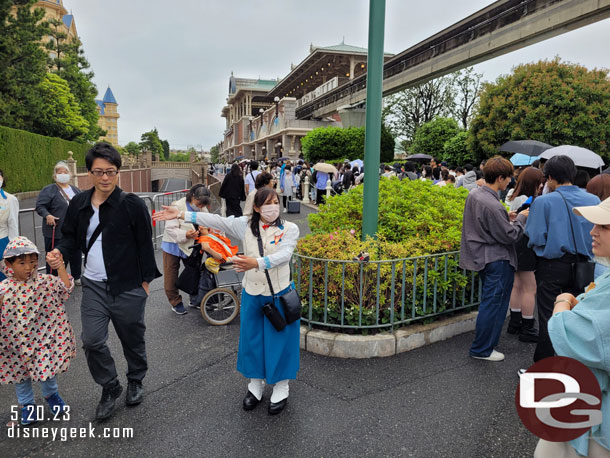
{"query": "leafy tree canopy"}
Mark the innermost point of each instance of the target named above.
(149, 141)
(550, 101)
(430, 138)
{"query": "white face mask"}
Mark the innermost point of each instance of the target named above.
(1, 181)
(63, 178)
(270, 212)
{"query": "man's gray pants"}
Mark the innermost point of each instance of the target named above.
(126, 311)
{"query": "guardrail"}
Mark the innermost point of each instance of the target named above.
(382, 294)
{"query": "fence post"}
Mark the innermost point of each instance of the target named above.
(72, 168)
(306, 190)
(223, 207)
(329, 187)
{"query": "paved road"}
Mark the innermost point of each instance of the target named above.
(431, 402)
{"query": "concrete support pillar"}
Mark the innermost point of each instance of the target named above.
(352, 66)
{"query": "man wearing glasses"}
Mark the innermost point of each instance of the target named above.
(113, 229)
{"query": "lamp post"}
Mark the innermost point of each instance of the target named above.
(261, 112)
(276, 99)
(374, 88)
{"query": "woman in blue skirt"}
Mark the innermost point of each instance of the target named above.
(265, 354)
(9, 218)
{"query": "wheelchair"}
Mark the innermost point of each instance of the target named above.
(220, 305)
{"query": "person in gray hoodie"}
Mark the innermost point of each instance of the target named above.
(469, 181)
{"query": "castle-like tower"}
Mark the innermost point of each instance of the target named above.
(108, 120)
(54, 9)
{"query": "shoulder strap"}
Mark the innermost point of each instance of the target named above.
(262, 253)
(570, 219)
(100, 227)
(63, 193)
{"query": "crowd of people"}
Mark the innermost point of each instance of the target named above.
(538, 236)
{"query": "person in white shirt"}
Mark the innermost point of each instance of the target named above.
(265, 354)
(250, 179)
(9, 217)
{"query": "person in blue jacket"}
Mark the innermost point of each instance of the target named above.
(580, 329)
(559, 240)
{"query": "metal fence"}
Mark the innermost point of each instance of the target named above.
(383, 294)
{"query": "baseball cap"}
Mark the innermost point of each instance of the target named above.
(596, 214)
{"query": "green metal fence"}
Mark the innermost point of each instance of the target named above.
(383, 294)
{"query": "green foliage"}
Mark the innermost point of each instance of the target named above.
(28, 159)
(456, 149)
(430, 138)
(438, 281)
(179, 157)
(214, 154)
(60, 114)
(332, 143)
(67, 60)
(149, 141)
(132, 148)
(165, 145)
(407, 214)
(553, 102)
(22, 63)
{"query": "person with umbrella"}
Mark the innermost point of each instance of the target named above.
(321, 175)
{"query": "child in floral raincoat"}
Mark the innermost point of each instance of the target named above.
(36, 338)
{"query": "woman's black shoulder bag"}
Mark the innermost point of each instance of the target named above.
(291, 302)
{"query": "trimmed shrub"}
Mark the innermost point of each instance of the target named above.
(27, 159)
(416, 218)
(333, 143)
(425, 218)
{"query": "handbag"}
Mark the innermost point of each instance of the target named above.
(188, 280)
(291, 302)
(582, 271)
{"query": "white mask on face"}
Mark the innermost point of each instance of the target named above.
(270, 212)
(63, 178)
(1, 181)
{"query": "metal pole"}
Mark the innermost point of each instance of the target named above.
(374, 83)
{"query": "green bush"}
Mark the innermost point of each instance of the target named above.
(439, 283)
(27, 159)
(333, 143)
(416, 218)
(425, 218)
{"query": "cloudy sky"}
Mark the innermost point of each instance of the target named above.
(168, 63)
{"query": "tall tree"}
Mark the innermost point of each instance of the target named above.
(67, 59)
(467, 87)
(60, 115)
(214, 154)
(132, 148)
(549, 101)
(165, 145)
(22, 62)
(149, 141)
(407, 110)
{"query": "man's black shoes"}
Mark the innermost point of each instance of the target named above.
(135, 393)
(110, 392)
(250, 401)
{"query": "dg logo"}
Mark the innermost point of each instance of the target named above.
(559, 399)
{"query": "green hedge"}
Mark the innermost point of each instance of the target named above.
(27, 159)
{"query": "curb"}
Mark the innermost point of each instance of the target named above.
(337, 345)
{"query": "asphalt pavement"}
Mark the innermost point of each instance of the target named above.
(431, 402)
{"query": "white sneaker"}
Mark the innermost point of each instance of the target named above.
(285, 210)
(78, 282)
(495, 356)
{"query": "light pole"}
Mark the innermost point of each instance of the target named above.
(374, 89)
(276, 99)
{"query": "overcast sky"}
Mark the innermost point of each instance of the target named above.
(169, 63)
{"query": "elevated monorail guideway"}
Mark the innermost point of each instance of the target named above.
(502, 27)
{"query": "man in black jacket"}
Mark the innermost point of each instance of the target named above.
(114, 231)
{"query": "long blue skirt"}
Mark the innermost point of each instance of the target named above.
(264, 352)
(3, 244)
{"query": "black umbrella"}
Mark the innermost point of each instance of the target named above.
(283, 159)
(239, 157)
(527, 147)
(419, 157)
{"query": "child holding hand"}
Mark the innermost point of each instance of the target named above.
(37, 339)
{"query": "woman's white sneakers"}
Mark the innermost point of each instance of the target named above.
(495, 356)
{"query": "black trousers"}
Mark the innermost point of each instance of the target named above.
(320, 196)
(126, 311)
(234, 207)
(553, 277)
(75, 261)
